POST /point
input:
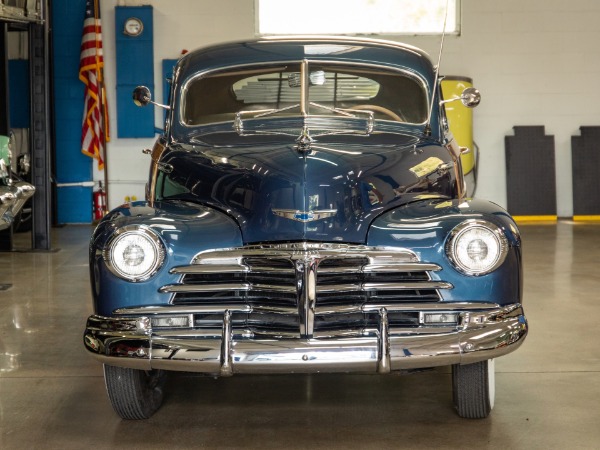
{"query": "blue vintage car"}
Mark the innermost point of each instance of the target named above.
(305, 213)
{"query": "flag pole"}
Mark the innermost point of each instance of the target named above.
(95, 126)
(105, 156)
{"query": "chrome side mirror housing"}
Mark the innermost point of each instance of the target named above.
(470, 97)
(142, 96)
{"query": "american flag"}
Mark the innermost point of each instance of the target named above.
(95, 132)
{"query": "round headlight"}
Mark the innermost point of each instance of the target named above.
(134, 253)
(477, 247)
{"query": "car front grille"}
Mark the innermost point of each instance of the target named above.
(305, 287)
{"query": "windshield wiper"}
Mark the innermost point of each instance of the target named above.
(238, 123)
(343, 112)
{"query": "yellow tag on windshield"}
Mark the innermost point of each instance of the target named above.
(427, 167)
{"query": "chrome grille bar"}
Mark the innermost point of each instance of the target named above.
(384, 286)
(293, 251)
(183, 288)
(200, 309)
(244, 287)
(406, 267)
(368, 268)
(211, 268)
(225, 268)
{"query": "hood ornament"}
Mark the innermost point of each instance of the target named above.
(304, 216)
(304, 141)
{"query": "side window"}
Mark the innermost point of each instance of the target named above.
(166, 187)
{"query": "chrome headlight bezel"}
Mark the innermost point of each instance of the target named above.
(459, 233)
(155, 245)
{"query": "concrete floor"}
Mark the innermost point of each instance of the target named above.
(547, 393)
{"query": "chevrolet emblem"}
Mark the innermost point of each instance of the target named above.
(305, 216)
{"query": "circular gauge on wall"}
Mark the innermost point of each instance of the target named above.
(133, 27)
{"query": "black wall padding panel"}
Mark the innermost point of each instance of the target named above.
(530, 172)
(586, 171)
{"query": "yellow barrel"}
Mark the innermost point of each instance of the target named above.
(460, 118)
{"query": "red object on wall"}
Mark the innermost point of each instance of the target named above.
(99, 204)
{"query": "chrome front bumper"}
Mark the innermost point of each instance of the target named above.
(131, 342)
(12, 200)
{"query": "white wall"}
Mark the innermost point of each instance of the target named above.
(536, 62)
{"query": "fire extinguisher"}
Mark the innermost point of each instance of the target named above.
(99, 202)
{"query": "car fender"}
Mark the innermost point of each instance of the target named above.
(424, 227)
(184, 229)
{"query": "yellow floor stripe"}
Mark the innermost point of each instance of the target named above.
(530, 219)
(586, 218)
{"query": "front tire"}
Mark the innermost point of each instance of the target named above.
(473, 389)
(134, 394)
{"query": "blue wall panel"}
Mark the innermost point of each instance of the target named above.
(133, 121)
(74, 203)
(135, 67)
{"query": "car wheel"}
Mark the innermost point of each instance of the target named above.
(473, 389)
(23, 220)
(134, 394)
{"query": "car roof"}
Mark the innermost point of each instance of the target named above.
(296, 48)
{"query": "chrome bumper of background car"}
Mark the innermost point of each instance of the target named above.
(12, 199)
(481, 335)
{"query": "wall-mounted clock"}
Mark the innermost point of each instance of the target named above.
(133, 27)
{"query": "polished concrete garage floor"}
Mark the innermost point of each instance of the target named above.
(548, 392)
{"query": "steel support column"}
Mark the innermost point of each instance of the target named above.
(4, 104)
(40, 136)
(6, 235)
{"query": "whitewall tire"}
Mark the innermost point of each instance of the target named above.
(474, 389)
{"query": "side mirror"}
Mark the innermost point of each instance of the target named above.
(142, 96)
(470, 97)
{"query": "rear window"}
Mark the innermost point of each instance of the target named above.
(279, 88)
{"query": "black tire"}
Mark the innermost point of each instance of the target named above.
(473, 389)
(23, 220)
(134, 394)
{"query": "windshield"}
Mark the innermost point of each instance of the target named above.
(314, 89)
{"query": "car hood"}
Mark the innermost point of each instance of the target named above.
(332, 192)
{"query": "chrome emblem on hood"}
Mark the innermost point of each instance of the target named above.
(304, 216)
